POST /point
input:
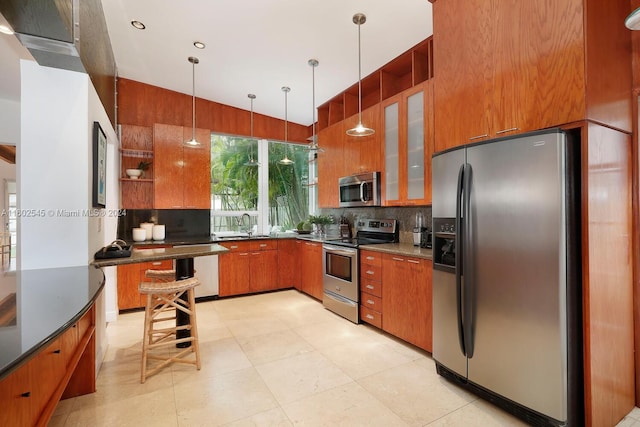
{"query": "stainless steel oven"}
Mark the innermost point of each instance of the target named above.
(340, 265)
(340, 280)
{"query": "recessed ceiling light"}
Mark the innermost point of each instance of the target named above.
(139, 25)
(199, 45)
(5, 30)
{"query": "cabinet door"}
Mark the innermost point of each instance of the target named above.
(330, 165)
(464, 71)
(406, 299)
(288, 271)
(128, 281)
(413, 147)
(167, 157)
(391, 132)
(16, 398)
(233, 273)
(311, 276)
(363, 154)
(264, 273)
(197, 170)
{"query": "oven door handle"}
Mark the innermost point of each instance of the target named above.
(340, 251)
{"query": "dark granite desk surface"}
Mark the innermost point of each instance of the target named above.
(160, 254)
(47, 302)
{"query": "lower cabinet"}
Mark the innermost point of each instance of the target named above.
(311, 269)
(130, 276)
(407, 299)
(249, 266)
(64, 368)
(288, 263)
(371, 287)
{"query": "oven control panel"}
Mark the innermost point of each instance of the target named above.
(379, 225)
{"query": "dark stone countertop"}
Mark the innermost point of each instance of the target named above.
(46, 302)
(160, 254)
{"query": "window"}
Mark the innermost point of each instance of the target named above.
(272, 193)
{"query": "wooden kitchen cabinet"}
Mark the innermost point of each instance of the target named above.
(182, 173)
(136, 145)
(311, 269)
(330, 164)
(129, 278)
(407, 299)
(408, 146)
(495, 78)
(288, 263)
(363, 154)
(371, 287)
(250, 266)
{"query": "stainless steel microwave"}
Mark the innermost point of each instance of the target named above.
(360, 190)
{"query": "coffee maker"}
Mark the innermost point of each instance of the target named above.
(421, 233)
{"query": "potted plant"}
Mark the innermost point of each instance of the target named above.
(321, 222)
(138, 172)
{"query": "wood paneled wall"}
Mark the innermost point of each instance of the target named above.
(144, 105)
(635, 67)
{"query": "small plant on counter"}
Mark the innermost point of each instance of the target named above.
(321, 219)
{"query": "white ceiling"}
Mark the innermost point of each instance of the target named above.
(258, 46)
(252, 46)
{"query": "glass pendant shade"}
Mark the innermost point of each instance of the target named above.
(633, 20)
(360, 129)
(251, 162)
(286, 160)
(193, 142)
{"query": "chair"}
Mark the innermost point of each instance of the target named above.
(163, 302)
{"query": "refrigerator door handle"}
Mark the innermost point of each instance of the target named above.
(467, 259)
(458, 258)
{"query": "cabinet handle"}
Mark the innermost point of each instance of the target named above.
(369, 272)
(156, 263)
(371, 258)
(56, 351)
(368, 316)
(369, 287)
(478, 137)
(413, 261)
(177, 206)
(26, 394)
(263, 245)
(371, 302)
(234, 246)
(397, 259)
(244, 254)
(505, 131)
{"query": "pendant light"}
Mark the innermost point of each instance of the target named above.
(286, 160)
(314, 141)
(193, 141)
(252, 162)
(360, 129)
(633, 20)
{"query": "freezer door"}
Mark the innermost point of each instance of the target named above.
(446, 341)
(518, 265)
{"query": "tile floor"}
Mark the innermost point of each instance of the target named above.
(278, 359)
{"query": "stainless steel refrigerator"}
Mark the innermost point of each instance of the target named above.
(506, 273)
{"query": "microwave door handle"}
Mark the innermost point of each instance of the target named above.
(363, 196)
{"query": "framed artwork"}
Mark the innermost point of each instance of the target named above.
(99, 166)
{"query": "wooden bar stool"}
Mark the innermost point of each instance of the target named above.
(163, 302)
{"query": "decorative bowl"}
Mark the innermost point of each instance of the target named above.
(133, 173)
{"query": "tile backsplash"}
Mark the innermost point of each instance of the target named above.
(404, 215)
(179, 223)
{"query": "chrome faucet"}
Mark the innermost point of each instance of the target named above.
(241, 222)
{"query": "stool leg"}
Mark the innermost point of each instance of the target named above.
(194, 326)
(148, 317)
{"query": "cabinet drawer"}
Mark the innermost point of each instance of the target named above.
(263, 245)
(371, 272)
(370, 258)
(370, 301)
(156, 265)
(236, 246)
(371, 316)
(371, 287)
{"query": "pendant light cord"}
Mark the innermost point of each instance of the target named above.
(359, 77)
(193, 101)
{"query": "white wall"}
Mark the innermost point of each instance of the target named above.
(9, 122)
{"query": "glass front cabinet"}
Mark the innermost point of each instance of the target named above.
(408, 146)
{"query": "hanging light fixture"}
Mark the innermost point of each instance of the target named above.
(360, 129)
(286, 160)
(193, 141)
(313, 146)
(251, 162)
(633, 20)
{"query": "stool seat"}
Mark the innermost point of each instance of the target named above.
(164, 300)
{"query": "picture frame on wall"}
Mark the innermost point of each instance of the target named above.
(99, 166)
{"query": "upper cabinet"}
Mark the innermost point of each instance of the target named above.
(182, 172)
(407, 133)
(330, 164)
(363, 154)
(507, 67)
(136, 145)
